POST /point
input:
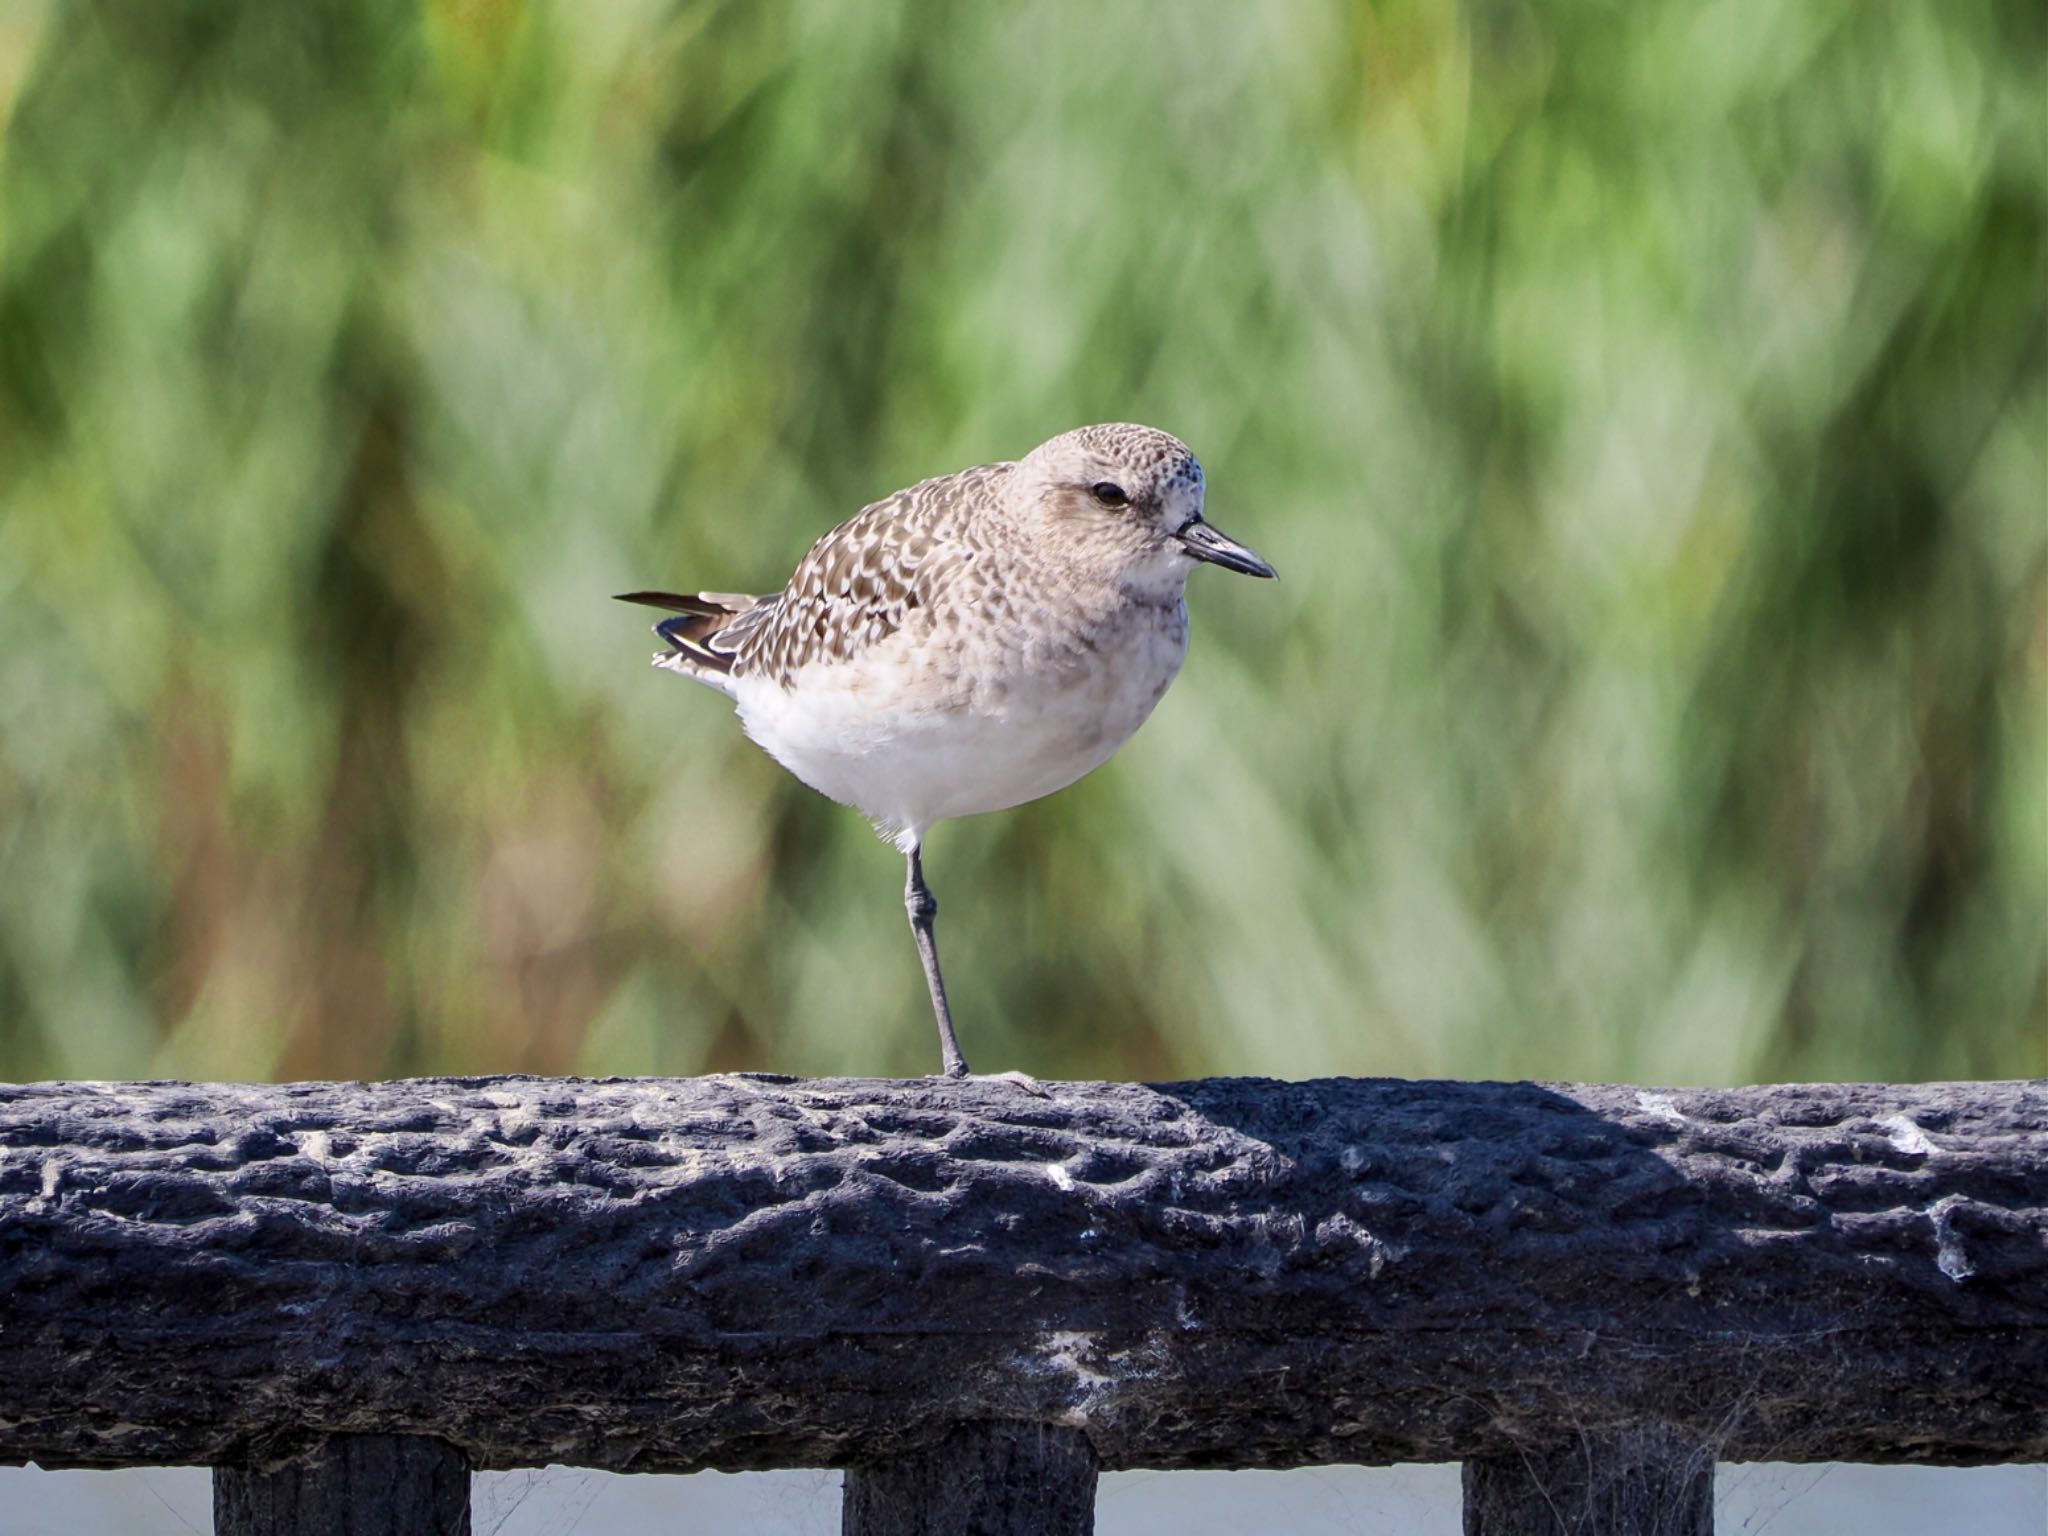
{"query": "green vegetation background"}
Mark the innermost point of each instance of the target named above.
(1644, 403)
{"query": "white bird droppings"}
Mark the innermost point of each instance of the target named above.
(1907, 1137)
(1063, 1351)
(1061, 1355)
(1661, 1108)
(1949, 1257)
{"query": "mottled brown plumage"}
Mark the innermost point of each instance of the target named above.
(971, 642)
(864, 580)
(857, 585)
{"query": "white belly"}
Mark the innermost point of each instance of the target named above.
(912, 740)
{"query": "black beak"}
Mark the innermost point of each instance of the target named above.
(1205, 543)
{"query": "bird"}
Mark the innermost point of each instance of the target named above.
(970, 643)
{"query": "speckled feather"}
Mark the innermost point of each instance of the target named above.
(863, 580)
(860, 582)
(971, 642)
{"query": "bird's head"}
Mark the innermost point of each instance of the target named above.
(1127, 500)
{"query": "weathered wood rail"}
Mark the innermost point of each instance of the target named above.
(344, 1297)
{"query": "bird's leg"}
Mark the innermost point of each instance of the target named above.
(922, 906)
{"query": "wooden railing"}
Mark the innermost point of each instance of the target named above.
(345, 1297)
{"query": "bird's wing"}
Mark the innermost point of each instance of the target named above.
(862, 581)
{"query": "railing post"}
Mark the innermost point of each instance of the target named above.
(1000, 1478)
(1623, 1481)
(351, 1485)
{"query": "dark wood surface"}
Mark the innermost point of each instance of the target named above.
(989, 1479)
(1612, 1482)
(352, 1485)
(738, 1272)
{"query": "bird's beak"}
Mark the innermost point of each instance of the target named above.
(1205, 543)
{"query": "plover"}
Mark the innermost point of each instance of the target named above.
(971, 643)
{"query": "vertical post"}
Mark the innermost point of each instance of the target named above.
(999, 1478)
(1626, 1481)
(350, 1485)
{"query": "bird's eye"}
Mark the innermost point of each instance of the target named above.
(1108, 493)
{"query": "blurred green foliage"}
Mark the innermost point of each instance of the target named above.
(1644, 404)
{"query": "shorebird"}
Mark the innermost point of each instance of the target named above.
(973, 642)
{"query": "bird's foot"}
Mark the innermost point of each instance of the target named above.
(1022, 1080)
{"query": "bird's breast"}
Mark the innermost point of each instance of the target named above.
(921, 729)
(1107, 679)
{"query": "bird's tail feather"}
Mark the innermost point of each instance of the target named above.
(699, 645)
